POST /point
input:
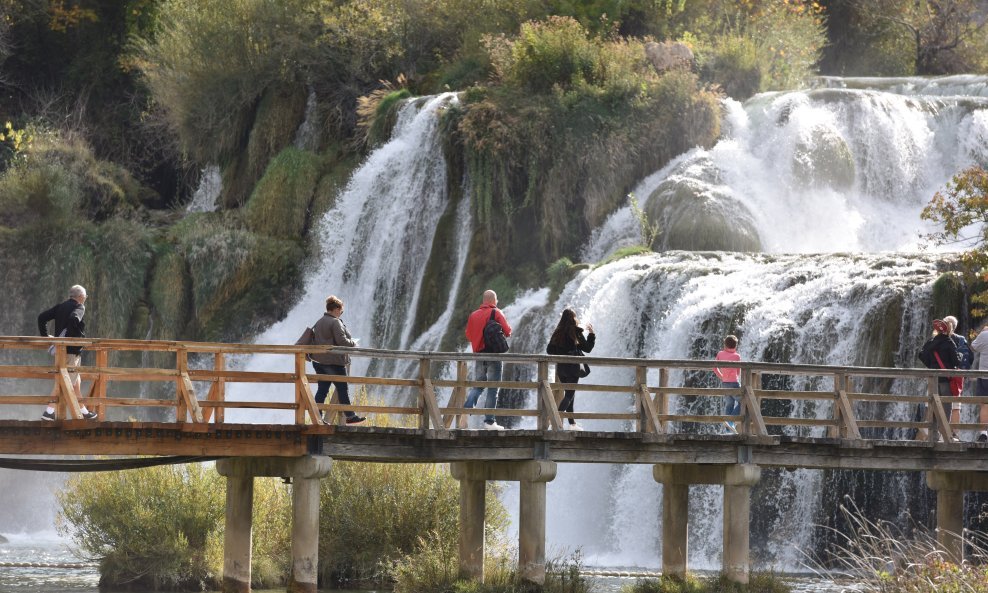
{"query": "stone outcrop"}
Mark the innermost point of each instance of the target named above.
(669, 55)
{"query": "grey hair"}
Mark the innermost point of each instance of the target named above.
(951, 321)
(77, 291)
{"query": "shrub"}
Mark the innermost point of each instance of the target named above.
(377, 513)
(147, 527)
(209, 62)
(758, 583)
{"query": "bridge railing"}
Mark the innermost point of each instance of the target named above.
(644, 396)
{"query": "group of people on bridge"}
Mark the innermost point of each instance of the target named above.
(487, 331)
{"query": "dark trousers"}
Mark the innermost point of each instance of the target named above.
(569, 395)
(342, 388)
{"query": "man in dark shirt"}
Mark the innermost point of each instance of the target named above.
(68, 324)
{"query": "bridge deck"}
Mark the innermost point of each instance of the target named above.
(426, 446)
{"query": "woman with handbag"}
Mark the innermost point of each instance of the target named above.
(568, 340)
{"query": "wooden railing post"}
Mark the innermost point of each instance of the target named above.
(68, 402)
(549, 418)
(186, 403)
(217, 391)
(458, 397)
(940, 426)
(303, 394)
(754, 423)
(427, 399)
(99, 384)
(662, 401)
(648, 419)
(843, 409)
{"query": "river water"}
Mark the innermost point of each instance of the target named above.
(49, 548)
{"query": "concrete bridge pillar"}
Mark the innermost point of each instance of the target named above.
(240, 473)
(737, 480)
(473, 477)
(950, 487)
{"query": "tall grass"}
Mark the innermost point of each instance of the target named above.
(758, 583)
(883, 558)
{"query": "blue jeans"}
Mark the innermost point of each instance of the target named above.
(342, 388)
(733, 407)
(485, 370)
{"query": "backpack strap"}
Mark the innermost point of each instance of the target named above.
(940, 362)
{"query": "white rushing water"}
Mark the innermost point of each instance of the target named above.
(817, 175)
(373, 246)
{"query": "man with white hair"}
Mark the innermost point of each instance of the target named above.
(68, 324)
(980, 345)
(486, 370)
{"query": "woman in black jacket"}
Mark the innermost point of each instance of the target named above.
(940, 352)
(568, 340)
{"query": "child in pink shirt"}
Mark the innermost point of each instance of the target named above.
(730, 378)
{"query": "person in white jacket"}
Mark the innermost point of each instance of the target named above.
(980, 345)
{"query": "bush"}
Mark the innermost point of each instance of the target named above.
(209, 62)
(146, 527)
(279, 205)
(377, 513)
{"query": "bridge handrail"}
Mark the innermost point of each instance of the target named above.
(649, 410)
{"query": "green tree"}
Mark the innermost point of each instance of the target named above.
(962, 211)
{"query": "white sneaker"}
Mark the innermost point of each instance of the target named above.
(574, 426)
(493, 426)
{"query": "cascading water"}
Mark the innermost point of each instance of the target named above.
(840, 169)
(374, 243)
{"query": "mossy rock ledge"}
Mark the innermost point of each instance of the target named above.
(695, 214)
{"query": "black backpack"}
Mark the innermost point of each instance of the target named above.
(494, 340)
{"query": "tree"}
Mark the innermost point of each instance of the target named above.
(962, 210)
(939, 31)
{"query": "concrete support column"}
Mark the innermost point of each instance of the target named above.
(237, 536)
(305, 535)
(675, 528)
(950, 487)
(531, 532)
(473, 509)
(240, 473)
(950, 523)
(737, 480)
(473, 477)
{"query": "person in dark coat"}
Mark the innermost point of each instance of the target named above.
(568, 340)
(67, 316)
(940, 352)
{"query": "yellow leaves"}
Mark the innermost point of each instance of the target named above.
(17, 140)
(63, 18)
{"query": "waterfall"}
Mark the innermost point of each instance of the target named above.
(210, 186)
(828, 169)
(374, 244)
(791, 308)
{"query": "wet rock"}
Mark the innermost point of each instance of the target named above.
(823, 160)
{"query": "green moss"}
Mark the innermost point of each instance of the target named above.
(625, 252)
(170, 295)
(385, 116)
(279, 204)
(240, 280)
(949, 296)
(273, 125)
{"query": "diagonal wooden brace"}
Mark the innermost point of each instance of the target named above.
(545, 392)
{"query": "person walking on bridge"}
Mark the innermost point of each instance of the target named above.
(67, 316)
(730, 378)
(479, 333)
(331, 331)
(568, 340)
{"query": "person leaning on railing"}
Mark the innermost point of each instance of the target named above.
(940, 352)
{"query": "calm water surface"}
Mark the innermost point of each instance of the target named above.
(49, 548)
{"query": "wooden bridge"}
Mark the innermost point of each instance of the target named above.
(842, 424)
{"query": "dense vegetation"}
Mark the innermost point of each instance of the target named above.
(116, 106)
(162, 527)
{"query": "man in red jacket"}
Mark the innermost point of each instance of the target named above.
(485, 370)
